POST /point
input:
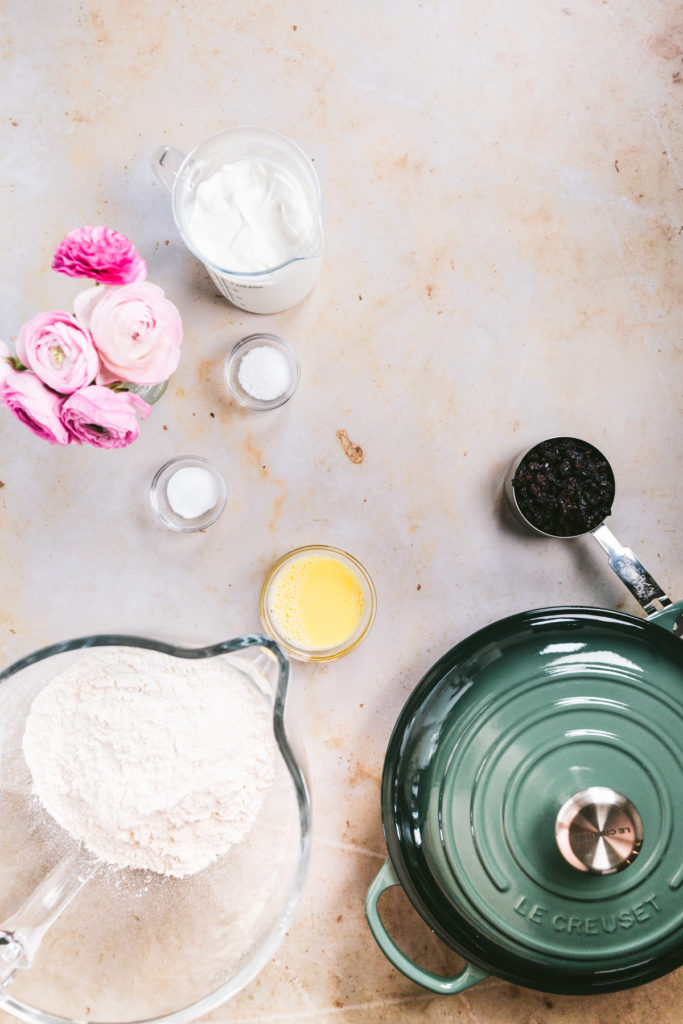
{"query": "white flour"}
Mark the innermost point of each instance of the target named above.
(151, 761)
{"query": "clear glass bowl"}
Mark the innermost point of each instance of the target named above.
(133, 945)
(350, 642)
(234, 360)
(160, 499)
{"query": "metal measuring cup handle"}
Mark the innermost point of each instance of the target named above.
(632, 572)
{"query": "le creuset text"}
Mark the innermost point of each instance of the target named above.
(571, 925)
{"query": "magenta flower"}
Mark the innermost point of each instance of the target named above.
(101, 254)
(59, 351)
(32, 403)
(104, 418)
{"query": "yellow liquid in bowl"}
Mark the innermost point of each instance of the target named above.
(316, 602)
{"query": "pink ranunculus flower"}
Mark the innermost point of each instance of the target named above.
(136, 329)
(32, 403)
(5, 365)
(104, 418)
(99, 253)
(59, 351)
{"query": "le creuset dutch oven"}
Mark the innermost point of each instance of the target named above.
(531, 803)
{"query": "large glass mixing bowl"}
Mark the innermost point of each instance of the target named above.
(129, 945)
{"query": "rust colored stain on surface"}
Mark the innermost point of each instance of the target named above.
(669, 43)
(204, 369)
(255, 456)
(352, 451)
(278, 504)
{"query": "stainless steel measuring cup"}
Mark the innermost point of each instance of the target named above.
(622, 560)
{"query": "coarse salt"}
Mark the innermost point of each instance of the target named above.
(264, 373)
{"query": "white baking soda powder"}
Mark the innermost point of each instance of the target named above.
(151, 761)
(191, 492)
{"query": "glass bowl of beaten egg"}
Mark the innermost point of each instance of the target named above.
(318, 602)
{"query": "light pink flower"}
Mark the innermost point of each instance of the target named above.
(59, 351)
(32, 403)
(136, 330)
(99, 253)
(102, 417)
(5, 365)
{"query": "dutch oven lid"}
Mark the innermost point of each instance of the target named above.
(531, 799)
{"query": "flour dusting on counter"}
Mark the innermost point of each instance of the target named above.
(150, 761)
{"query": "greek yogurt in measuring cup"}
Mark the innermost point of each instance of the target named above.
(247, 204)
(251, 215)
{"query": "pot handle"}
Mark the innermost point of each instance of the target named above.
(469, 975)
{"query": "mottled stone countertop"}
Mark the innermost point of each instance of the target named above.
(504, 248)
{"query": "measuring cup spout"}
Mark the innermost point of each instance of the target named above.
(631, 572)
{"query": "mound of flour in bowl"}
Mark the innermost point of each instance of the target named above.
(151, 761)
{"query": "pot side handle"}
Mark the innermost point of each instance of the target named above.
(470, 974)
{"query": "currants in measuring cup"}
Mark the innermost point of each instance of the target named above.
(564, 487)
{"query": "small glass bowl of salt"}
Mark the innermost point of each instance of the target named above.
(262, 372)
(188, 493)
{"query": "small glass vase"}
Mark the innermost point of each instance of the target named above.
(150, 393)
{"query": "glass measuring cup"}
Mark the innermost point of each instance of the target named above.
(88, 941)
(622, 560)
(262, 291)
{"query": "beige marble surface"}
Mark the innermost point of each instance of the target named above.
(504, 239)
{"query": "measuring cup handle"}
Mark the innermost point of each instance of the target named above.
(631, 572)
(22, 933)
(166, 162)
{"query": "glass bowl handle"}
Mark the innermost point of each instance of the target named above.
(22, 933)
(469, 975)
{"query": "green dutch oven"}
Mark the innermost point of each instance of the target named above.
(531, 803)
